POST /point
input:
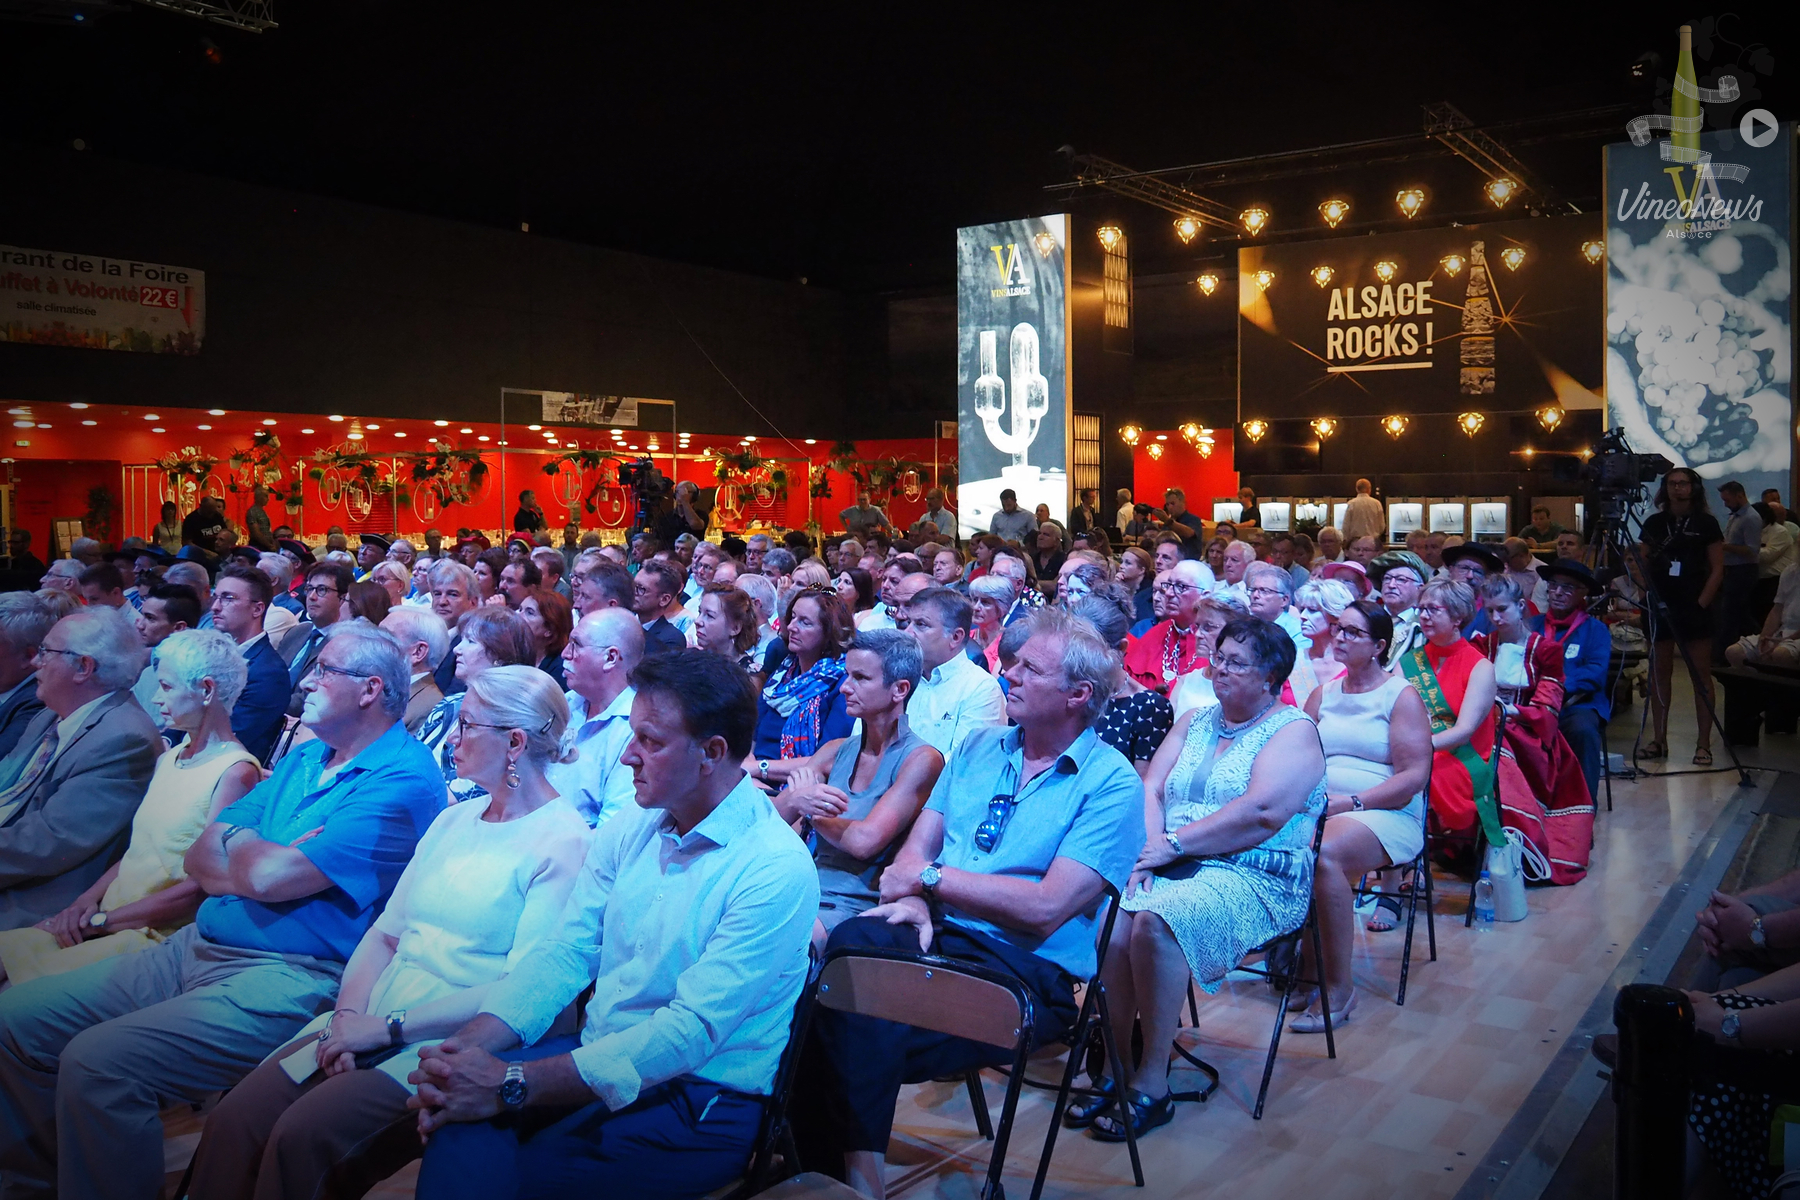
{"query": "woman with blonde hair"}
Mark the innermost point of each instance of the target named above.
(487, 882)
(1320, 602)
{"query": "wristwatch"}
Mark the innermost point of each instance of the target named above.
(1758, 938)
(396, 1020)
(762, 768)
(930, 877)
(97, 921)
(225, 838)
(512, 1089)
(1174, 841)
(1356, 804)
(1731, 1027)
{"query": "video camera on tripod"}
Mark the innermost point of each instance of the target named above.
(1618, 473)
(648, 485)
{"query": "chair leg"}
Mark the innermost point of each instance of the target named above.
(1193, 1009)
(978, 1101)
(1412, 913)
(992, 1189)
(1281, 1012)
(1118, 1065)
(1076, 1048)
(1430, 900)
(1475, 874)
(1324, 990)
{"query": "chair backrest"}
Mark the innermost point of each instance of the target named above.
(929, 993)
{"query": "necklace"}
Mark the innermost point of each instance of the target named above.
(1231, 731)
(1171, 653)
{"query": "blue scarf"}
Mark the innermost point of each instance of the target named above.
(801, 700)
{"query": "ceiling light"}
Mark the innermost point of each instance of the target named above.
(355, 435)
(1324, 426)
(1593, 251)
(1385, 271)
(1550, 415)
(306, 431)
(1264, 278)
(1045, 242)
(18, 412)
(159, 429)
(1255, 429)
(1513, 257)
(206, 428)
(1205, 448)
(1254, 219)
(90, 422)
(1410, 200)
(1452, 264)
(1187, 229)
(43, 424)
(1395, 425)
(1156, 450)
(440, 424)
(1189, 431)
(1162, 437)
(1501, 190)
(1209, 283)
(1333, 211)
(1129, 434)
(1322, 274)
(372, 425)
(399, 433)
(809, 441)
(268, 420)
(78, 404)
(216, 412)
(534, 428)
(1110, 235)
(151, 417)
(465, 429)
(482, 438)
(334, 417)
(23, 424)
(1470, 422)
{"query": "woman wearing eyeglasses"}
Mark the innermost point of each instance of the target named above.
(1456, 681)
(488, 637)
(487, 882)
(1377, 742)
(1320, 601)
(801, 707)
(1194, 689)
(1233, 797)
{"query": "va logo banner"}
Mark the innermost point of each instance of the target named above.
(1012, 272)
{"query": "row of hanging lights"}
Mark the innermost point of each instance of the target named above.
(1512, 257)
(1550, 416)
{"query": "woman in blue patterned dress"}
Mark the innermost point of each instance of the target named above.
(1231, 803)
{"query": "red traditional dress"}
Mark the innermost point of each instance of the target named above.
(1162, 654)
(1453, 789)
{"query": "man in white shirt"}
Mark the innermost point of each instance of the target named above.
(691, 919)
(1127, 510)
(954, 695)
(1363, 516)
(1238, 557)
(597, 665)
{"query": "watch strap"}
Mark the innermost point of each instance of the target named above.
(396, 1027)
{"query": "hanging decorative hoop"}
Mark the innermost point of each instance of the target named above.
(331, 489)
(570, 487)
(427, 500)
(359, 499)
(909, 483)
(213, 486)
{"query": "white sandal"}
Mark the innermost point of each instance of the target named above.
(1313, 1020)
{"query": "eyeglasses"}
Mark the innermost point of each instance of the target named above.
(1564, 586)
(1263, 591)
(320, 589)
(1351, 633)
(1233, 666)
(320, 668)
(42, 650)
(987, 834)
(1434, 610)
(463, 725)
(1176, 587)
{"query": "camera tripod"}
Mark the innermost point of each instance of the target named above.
(1617, 550)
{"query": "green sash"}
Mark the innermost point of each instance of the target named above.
(1481, 774)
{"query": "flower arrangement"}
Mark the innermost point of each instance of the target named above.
(189, 461)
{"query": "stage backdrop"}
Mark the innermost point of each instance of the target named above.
(1012, 369)
(1699, 317)
(1485, 318)
(58, 298)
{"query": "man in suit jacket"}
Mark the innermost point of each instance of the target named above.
(79, 771)
(327, 584)
(424, 640)
(24, 620)
(239, 601)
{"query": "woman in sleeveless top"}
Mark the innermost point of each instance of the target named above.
(857, 797)
(147, 895)
(1377, 742)
(1213, 883)
(1457, 684)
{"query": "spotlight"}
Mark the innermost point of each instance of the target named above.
(1410, 200)
(1256, 429)
(1395, 425)
(1254, 219)
(1187, 229)
(1322, 274)
(1513, 257)
(1501, 190)
(1470, 422)
(1452, 264)
(1208, 283)
(1385, 271)
(1333, 211)
(1324, 426)
(1110, 235)
(1593, 251)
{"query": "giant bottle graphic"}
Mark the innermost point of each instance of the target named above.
(1030, 393)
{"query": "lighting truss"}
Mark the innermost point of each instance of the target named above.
(1147, 188)
(253, 16)
(1447, 123)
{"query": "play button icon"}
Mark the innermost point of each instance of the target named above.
(1758, 128)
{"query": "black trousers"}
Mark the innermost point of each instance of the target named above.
(852, 1068)
(1586, 735)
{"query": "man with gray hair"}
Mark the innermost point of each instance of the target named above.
(954, 696)
(85, 550)
(280, 570)
(1270, 591)
(192, 574)
(425, 640)
(755, 547)
(64, 575)
(296, 871)
(23, 623)
(550, 571)
(1170, 648)
(1025, 828)
(778, 565)
(597, 664)
(402, 552)
(78, 771)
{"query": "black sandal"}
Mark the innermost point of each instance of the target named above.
(1145, 1114)
(1081, 1113)
(1703, 757)
(1388, 904)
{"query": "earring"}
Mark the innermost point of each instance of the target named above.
(512, 774)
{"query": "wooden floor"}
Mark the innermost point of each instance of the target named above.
(1417, 1094)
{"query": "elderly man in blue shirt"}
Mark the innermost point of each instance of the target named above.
(296, 872)
(692, 920)
(1003, 867)
(1586, 643)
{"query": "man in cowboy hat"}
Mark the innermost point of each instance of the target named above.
(1398, 576)
(1587, 651)
(373, 549)
(1472, 563)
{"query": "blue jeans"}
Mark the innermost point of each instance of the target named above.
(682, 1138)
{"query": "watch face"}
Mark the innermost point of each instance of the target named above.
(512, 1093)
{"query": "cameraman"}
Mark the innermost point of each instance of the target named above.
(679, 514)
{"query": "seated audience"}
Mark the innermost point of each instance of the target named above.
(1167, 649)
(24, 620)
(1585, 644)
(395, 579)
(769, 649)
(323, 596)
(63, 575)
(1137, 572)
(947, 567)
(485, 886)
(989, 597)
(239, 602)
(598, 660)
(689, 922)
(1195, 689)
(980, 881)
(487, 567)
(453, 597)
(295, 872)
(1136, 719)
(1330, 548)
(1377, 743)
(860, 795)
(280, 570)
(1080, 577)
(801, 707)
(656, 598)
(102, 584)
(491, 636)
(517, 579)
(727, 625)
(597, 582)
(1456, 681)
(1318, 602)
(1778, 642)
(368, 600)
(141, 900)
(953, 697)
(857, 590)
(168, 608)
(1233, 796)
(424, 639)
(550, 619)
(1398, 577)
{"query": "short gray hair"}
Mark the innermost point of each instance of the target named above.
(761, 592)
(779, 561)
(376, 655)
(525, 698)
(1013, 638)
(24, 620)
(751, 543)
(191, 573)
(1330, 596)
(1085, 658)
(1277, 577)
(416, 623)
(900, 656)
(110, 638)
(190, 655)
(278, 568)
(1228, 600)
(951, 606)
(450, 571)
(65, 566)
(1103, 610)
(992, 588)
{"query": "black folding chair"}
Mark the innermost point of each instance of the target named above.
(1420, 868)
(775, 1135)
(1285, 947)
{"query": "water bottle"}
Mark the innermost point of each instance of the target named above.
(1484, 899)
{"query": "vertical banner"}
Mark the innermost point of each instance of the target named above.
(1699, 304)
(1012, 368)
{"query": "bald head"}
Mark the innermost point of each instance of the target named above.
(617, 628)
(606, 644)
(908, 587)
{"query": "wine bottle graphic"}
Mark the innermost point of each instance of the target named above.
(1477, 377)
(1030, 392)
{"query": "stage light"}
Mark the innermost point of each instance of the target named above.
(1395, 425)
(400, 433)
(1593, 251)
(1324, 426)
(1156, 450)
(1513, 257)
(1470, 422)
(1385, 271)
(307, 431)
(1045, 242)
(158, 429)
(151, 417)
(465, 429)
(96, 423)
(1550, 415)
(1254, 219)
(23, 424)
(1334, 210)
(1322, 274)
(534, 428)
(1110, 235)
(1130, 434)
(1501, 190)
(268, 420)
(1256, 429)
(809, 441)
(1410, 200)
(1208, 283)
(1452, 264)
(202, 428)
(1187, 229)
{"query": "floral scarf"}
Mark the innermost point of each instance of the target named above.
(801, 700)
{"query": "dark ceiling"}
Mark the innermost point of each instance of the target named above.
(843, 149)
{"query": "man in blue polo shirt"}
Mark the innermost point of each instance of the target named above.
(296, 873)
(1001, 869)
(1587, 652)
